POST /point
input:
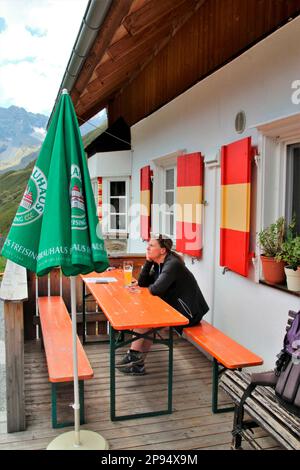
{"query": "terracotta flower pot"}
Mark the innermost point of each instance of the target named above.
(273, 271)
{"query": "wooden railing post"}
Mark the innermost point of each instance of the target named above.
(14, 291)
(14, 352)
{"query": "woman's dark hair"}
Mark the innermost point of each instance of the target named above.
(167, 243)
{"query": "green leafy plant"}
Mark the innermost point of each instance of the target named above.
(290, 252)
(271, 238)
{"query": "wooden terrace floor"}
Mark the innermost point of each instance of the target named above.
(191, 426)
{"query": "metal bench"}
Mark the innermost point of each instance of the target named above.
(263, 410)
(226, 353)
(57, 338)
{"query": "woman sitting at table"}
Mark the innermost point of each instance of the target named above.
(166, 275)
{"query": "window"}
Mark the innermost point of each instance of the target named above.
(168, 215)
(117, 200)
(163, 216)
(292, 201)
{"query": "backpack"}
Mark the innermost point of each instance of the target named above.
(285, 378)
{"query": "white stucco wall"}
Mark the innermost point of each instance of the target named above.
(110, 164)
(202, 119)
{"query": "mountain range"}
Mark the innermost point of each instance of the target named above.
(21, 135)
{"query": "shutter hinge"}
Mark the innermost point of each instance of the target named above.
(255, 155)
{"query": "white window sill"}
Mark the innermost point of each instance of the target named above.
(280, 287)
(114, 235)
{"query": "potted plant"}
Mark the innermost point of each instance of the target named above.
(270, 241)
(290, 254)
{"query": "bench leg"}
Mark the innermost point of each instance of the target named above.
(55, 423)
(236, 443)
(215, 390)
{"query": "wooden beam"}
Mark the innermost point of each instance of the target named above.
(151, 32)
(126, 61)
(14, 352)
(114, 18)
(139, 47)
(164, 42)
(151, 12)
(104, 94)
(103, 89)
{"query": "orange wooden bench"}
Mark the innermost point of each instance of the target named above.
(225, 352)
(57, 337)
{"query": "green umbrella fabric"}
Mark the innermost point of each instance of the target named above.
(56, 223)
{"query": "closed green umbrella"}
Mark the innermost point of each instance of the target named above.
(56, 223)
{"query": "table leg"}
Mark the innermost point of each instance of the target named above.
(116, 344)
(112, 338)
(170, 371)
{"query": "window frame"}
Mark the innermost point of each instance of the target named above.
(289, 176)
(272, 183)
(159, 165)
(107, 229)
(165, 213)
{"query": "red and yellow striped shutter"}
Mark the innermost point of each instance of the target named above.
(235, 205)
(145, 221)
(189, 198)
(99, 206)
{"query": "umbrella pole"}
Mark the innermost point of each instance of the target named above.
(76, 405)
(77, 440)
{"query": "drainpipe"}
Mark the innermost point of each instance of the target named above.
(93, 18)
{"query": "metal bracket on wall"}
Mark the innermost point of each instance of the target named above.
(225, 270)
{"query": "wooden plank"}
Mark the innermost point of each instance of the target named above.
(153, 11)
(238, 32)
(14, 348)
(128, 310)
(153, 35)
(57, 337)
(90, 317)
(191, 426)
(227, 351)
(182, 419)
(116, 14)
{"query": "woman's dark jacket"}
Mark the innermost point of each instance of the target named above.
(176, 285)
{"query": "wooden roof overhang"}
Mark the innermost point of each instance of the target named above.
(147, 52)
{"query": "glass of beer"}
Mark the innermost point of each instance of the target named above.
(127, 270)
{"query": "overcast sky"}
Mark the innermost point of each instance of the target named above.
(36, 39)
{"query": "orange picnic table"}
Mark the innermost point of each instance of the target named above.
(126, 310)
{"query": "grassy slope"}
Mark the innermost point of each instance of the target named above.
(12, 187)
